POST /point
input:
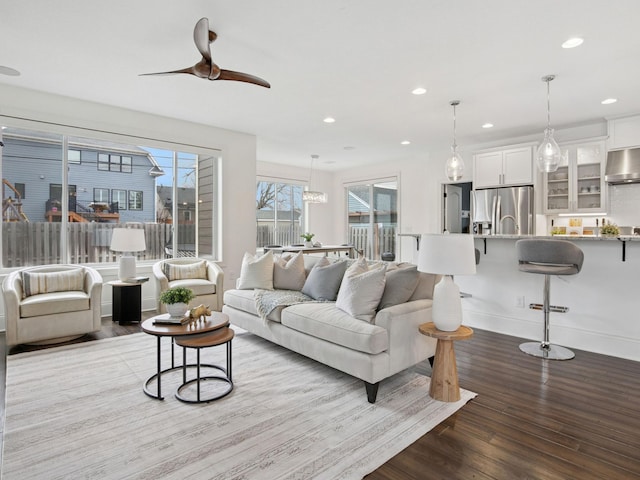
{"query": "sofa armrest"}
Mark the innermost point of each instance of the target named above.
(407, 346)
(161, 280)
(93, 287)
(216, 274)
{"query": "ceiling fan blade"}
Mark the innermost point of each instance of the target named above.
(202, 37)
(190, 70)
(242, 77)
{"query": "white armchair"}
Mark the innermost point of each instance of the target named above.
(205, 278)
(51, 304)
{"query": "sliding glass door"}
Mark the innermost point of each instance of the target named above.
(372, 217)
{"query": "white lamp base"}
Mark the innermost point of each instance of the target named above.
(447, 309)
(127, 268)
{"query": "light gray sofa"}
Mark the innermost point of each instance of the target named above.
(321, 331)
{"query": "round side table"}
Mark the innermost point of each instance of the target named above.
(444, 377)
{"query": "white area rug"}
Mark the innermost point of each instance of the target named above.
(79, 412)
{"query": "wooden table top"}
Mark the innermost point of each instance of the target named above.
(214, 322)
(217, 337)
(429, 329)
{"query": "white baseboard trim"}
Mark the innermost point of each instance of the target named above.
(581, 339)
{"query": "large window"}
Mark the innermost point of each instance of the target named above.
(372, 212)
(279, 213)
(72, 222)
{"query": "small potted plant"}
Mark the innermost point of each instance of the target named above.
(610, 230)
(177, 300)
(307, 239)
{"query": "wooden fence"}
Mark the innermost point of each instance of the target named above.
(384, 238)
(39, 243)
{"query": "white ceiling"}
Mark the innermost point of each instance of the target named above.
(355, 60)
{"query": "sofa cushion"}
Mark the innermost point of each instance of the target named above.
(198, 285)
(289, 273)
(424, 289)
(256, 271)
(361, 290)
(244, 300)
(324, 280)
(400, 283)
(34, 283)
(328, 322)
(174, 271)
(52, 303)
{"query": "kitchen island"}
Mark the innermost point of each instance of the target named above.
(602, 299)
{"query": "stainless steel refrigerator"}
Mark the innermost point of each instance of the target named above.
(507, 210)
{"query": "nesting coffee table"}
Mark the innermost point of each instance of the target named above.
(216, 321)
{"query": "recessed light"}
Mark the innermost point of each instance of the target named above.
(487, 125)
(329, 120)
(349, 147)
(573, 42)
(609, 101)
(12, 72)
(419, 91)
(405, 142)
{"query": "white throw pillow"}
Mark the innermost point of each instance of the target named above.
(288, 273)
(361, 290)
(256, 272)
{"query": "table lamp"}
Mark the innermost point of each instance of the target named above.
(127, 241)
(447, 255)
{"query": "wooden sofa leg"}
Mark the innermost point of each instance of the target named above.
(372, 391)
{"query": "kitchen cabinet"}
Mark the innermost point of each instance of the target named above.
(578, 185)
(504, 167)
(624, 132)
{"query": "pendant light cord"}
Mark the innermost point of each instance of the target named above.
(548, 104)
(454, 103)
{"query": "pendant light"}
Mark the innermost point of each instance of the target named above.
(548, 156)
(454, 166)
(311, 196)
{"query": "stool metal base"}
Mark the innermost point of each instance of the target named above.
(542, 350)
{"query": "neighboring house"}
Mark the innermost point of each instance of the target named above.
(385, 206)
(102, 175)
(186, 204)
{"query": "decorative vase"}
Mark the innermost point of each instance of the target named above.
(308, 244)
(177, 310)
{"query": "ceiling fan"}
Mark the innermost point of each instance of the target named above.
(205, 68)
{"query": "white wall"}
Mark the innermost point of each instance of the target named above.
(238, 162)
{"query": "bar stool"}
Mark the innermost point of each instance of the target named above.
(548, 257)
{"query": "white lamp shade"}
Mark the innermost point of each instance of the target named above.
(447, 254)
(128, 240)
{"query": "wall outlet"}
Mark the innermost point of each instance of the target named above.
(520, 301)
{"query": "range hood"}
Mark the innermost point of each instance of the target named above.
(623, 166)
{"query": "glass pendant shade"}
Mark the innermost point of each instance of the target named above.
(311, 196)
(454, 166)
(549, 155)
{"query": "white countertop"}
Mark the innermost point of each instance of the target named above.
(632, 238)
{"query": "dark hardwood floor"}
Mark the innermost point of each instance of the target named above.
(532, 419)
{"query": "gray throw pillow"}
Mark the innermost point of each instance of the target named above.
(324, 280)
(399, 286)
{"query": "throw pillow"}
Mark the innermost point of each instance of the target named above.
(288, 273)
(47, 282)
(324, 280)
(256, 272)
(361, 290)
(174, 271)
(400, 283)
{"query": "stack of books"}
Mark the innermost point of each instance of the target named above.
(167, 319)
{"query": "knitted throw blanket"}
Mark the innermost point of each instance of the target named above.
(268, 300)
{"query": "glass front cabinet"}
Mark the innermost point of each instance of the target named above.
(578, 185)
